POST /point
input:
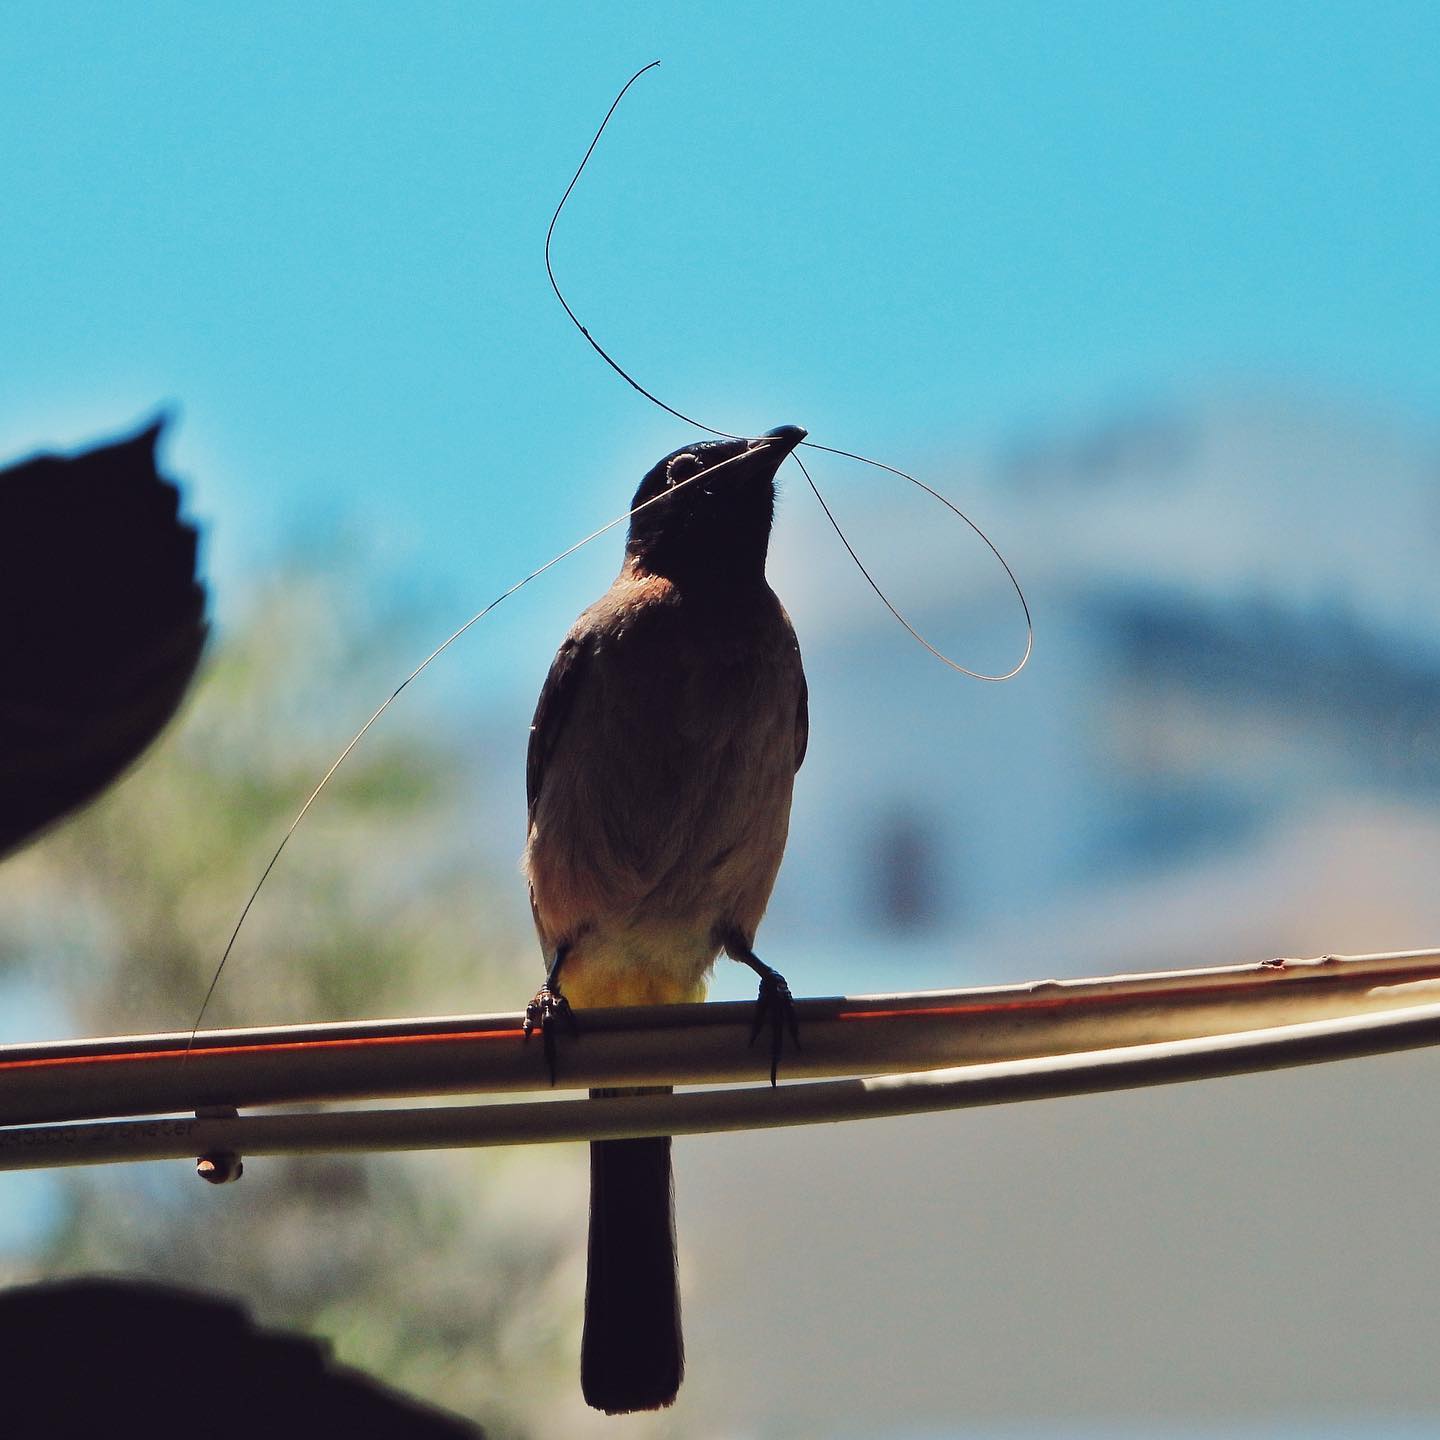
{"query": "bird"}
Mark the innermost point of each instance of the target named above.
(660, 768)
(102, 624)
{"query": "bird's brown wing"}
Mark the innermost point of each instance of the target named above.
(557, 697)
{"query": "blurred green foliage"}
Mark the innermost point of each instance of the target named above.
(454, 1276)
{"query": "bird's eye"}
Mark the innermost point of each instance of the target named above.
(683, 467)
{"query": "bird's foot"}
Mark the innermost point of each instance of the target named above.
(547, 1010)
(775, 1007)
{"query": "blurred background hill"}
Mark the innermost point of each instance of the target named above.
(1237, 665)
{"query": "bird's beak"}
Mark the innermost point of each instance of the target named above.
(780, 441)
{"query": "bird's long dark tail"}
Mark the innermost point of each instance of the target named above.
(632, 1356)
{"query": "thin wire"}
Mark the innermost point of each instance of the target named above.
(555, 286)
(860, 564)
(424, 665)
(810, 444)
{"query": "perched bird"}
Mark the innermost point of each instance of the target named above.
(102, 621)
(661, 761)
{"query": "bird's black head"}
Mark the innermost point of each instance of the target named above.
(716, 526)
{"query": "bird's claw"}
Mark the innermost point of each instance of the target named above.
(548, 1008)
(776, 1006)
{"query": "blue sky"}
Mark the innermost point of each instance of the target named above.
(317, 230)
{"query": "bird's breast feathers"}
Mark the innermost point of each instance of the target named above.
(661, 806)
